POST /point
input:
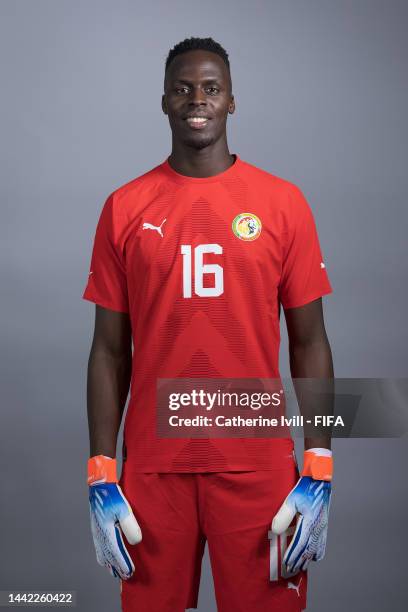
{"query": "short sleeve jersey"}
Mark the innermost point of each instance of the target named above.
(156, 243)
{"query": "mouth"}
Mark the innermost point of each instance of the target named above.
(197, 123)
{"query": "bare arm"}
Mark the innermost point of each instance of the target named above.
(310, 355)
(109, 373)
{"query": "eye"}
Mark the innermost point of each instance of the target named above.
(213, 90)
(181, 90)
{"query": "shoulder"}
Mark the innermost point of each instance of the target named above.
(283, 194)
(277, 184)
(133, 195)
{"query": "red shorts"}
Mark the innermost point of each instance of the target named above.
(232, 511)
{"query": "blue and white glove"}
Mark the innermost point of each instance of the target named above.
(310, 498)
(110, 514)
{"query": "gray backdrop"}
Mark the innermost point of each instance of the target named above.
(321, 100)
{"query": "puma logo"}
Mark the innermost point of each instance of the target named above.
(292, 585)
(158, 228)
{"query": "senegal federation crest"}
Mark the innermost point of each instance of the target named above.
(247, 226)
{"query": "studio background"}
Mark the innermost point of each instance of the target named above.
(321, 98)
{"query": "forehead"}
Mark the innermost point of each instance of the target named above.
(196, 65)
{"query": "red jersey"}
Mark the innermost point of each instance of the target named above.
(201, 265)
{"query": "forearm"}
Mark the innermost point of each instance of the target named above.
(107, 389)
(308, 361)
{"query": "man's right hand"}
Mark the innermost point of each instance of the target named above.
(111, 514)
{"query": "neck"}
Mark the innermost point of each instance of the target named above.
(200, 163)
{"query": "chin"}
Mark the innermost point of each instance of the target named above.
(199, 143)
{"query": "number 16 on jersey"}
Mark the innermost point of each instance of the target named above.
(201, 268)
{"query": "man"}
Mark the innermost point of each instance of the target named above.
(192, 261)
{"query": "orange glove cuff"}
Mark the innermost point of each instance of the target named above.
(101, 469)
(319, 467)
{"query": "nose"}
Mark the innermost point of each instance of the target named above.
(197, 96)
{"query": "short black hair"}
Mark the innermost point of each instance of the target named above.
(193, 43)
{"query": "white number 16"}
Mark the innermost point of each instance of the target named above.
(200, 268)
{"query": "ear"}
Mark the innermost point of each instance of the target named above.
(164, 105)
(231, 107)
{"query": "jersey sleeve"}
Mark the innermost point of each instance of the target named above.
(107, 282)
(304, 277)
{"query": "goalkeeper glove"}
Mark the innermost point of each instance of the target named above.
(310, 497)
(110, 514)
